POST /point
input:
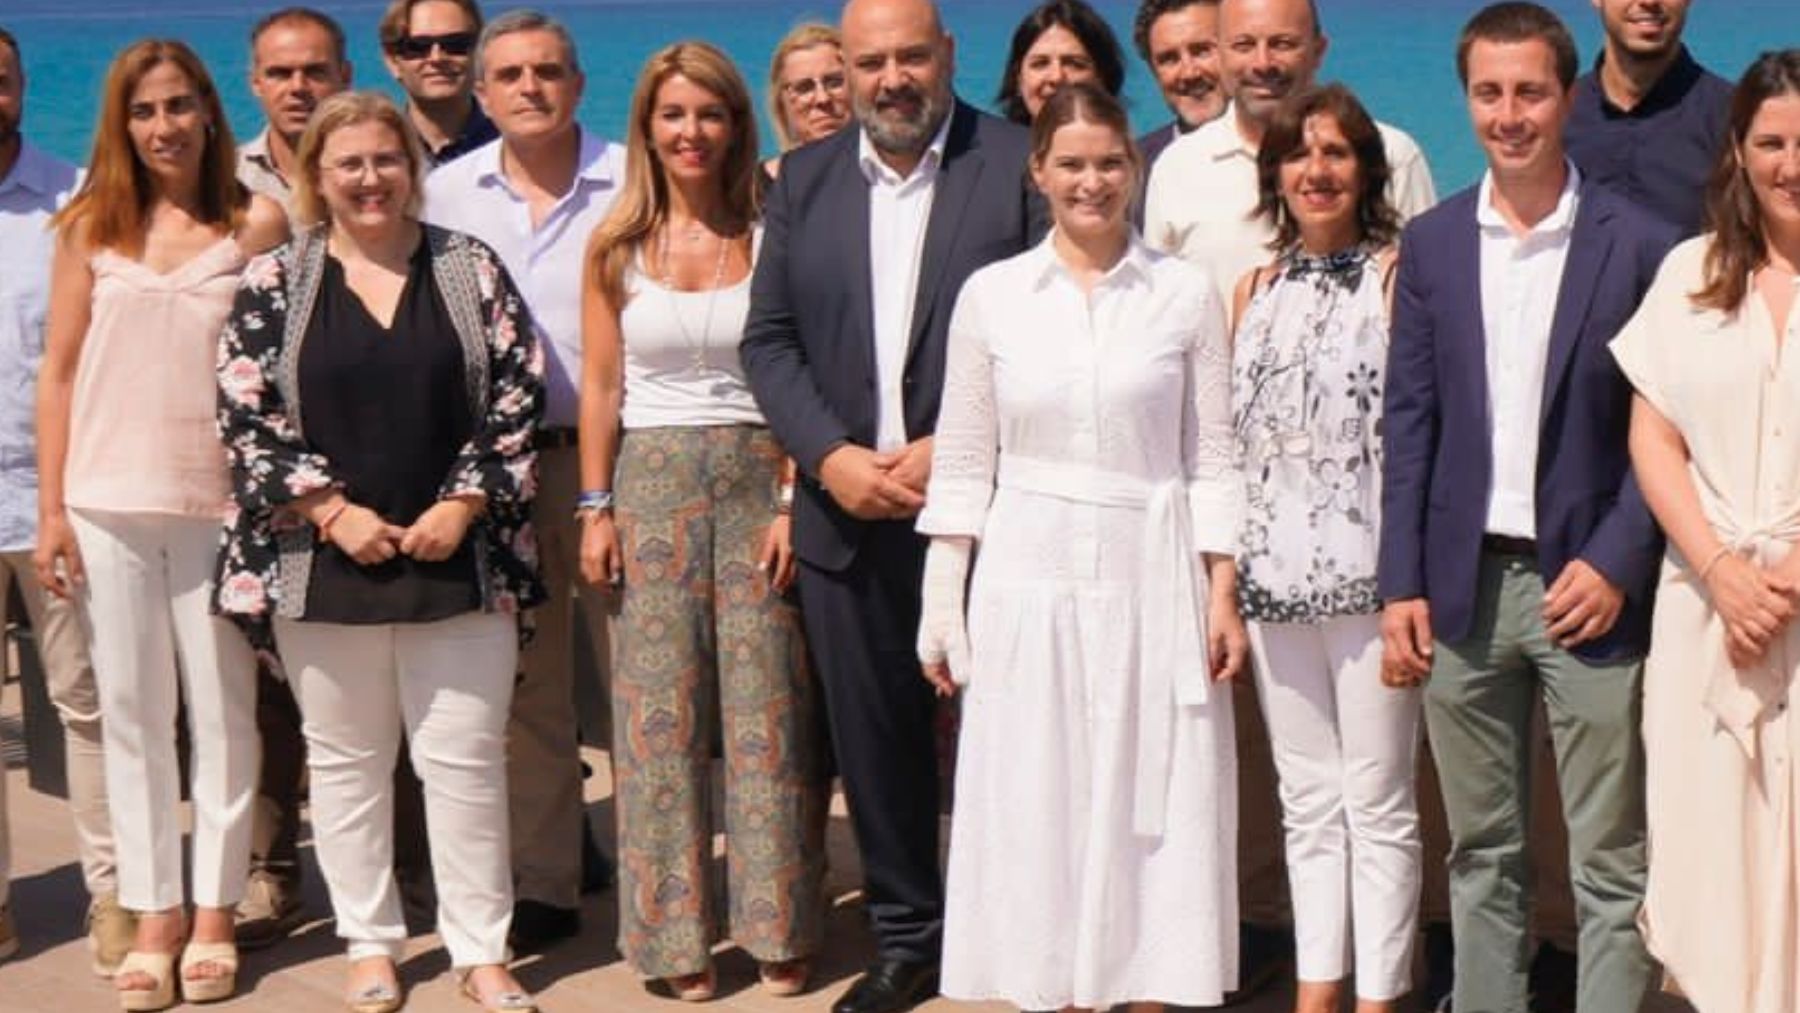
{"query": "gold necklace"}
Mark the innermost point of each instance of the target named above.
(702, 345)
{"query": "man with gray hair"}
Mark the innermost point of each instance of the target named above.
(534, 195)
(867, 238)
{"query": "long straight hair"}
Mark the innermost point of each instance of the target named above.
(1738, 244)
(643, 202)
(115, 196)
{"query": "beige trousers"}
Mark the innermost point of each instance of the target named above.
(57, 625)
(542, 750)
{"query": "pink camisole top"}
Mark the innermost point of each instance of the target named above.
(142, 435)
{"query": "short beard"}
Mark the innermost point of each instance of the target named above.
(903, 137)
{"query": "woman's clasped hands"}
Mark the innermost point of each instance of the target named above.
(369, 539)
(1756, 603)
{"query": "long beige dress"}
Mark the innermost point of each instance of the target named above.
(1723, 907)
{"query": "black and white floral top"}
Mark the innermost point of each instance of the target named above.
(1307, 370)
(266, 560)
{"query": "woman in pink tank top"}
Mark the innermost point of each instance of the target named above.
(133, 491)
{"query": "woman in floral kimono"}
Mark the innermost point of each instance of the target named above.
(378, 386)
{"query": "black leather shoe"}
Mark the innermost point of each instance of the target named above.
(537, 926)
(1263, 953)
(890, 986)
(1440, 966)
(1553, 974)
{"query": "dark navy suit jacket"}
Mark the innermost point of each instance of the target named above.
(809, 346)
(1436, 423)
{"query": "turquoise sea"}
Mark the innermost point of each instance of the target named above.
(1397, 54)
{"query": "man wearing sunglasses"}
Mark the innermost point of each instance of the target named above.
(428, 46)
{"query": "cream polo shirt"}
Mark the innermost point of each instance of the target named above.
(1202, 196)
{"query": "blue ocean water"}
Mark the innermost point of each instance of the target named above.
(1397, 54)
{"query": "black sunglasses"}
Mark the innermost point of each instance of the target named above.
(418, 47)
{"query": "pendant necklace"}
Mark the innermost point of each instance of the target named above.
(701, 345)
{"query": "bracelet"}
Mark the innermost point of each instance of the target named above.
(1713, 560)
(593, 501)
(784, 498)
(324, 524)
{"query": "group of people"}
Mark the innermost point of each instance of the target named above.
(1213, 472)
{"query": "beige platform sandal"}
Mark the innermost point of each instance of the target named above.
(159, 968)
(222, 955)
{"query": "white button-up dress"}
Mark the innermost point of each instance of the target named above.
(1085, 441)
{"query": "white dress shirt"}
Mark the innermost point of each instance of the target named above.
(1521, 276)
(899, 212)
(1201, 201)
(473, 195)
(30, 193)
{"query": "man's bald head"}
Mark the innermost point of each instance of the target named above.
(901, 63)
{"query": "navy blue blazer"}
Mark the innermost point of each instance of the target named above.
(809, 345)
(1436, 425)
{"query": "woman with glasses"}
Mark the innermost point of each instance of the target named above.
(378, 384)
(133, 486)
(1059, 42)
(685, 503)
(809, 94)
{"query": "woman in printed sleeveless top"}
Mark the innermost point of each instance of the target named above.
(133, 491)
(378, 385)
(707, 646)
(1308, 360)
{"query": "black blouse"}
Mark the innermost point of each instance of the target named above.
(386, 407)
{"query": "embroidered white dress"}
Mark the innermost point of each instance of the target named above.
(1085, 441)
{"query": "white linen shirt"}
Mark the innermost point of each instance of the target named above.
(1201, 200)
(473, 195)
(36, 187)
(899, 213)
(1521, 276)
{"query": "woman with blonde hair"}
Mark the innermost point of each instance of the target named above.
(809, 93)
(378, 385)
(133, 487)
(707, 647)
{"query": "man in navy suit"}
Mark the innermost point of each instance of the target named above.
(867, 238)
(1517, 554)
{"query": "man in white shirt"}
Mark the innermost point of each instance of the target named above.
(1200, 205)
(534, 195)
(33, 186)
(1203, 189)
(1518, 558)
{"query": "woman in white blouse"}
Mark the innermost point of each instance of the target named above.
(706, 646)
(1085, 444)
(1309, 359)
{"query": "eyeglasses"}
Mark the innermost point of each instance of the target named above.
(418, 47)
(805, 87)
(385, 163)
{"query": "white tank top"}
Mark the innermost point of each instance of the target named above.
(681, 354)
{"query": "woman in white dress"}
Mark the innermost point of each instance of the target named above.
(1085, 444)
(1308, 360)
(1715, 438)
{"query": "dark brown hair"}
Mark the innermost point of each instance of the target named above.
(1286, 135)
(1739, 244)
(1516, 21)
(300, 16)
(1081, 21)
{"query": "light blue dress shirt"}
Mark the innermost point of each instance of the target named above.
(472, 195)
(33, 191)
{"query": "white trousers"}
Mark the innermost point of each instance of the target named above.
(148, 590)
(60, 633)
(449, 684)
(1344, 750)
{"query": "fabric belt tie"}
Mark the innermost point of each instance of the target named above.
(1171, 633)
(1739, 698)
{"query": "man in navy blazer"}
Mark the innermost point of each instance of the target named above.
(867, 238)
(1517, 552)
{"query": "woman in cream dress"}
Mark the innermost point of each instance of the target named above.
(1715, 438)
